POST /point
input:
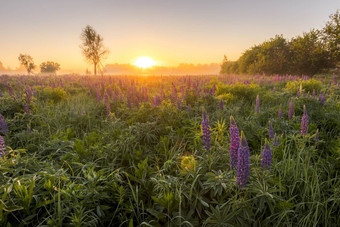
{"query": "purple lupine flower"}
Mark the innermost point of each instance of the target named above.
(206, 131)
(334, 79)
(266, 156)
(291, 109)
(174, 94)
(189, 109)
(304, 121)
(28, 95)
(314, 94)
(26, 109)
(98, 95)
(212, 90)
(298, 94)
(276, 142)
(178, 104)
(242, 162)
(128, 101)
(4, 127)
(1, 94)
(2, 147)
(10, 90)
(274, 89)
(279, 113)
(74, 113)
(234, 142)
(107, 103)
(221, 105)
(316, 137)
(271, 130)
(257, 105)
(322, 98)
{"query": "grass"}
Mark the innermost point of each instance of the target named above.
(70, 163)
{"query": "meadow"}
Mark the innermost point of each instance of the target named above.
(156, 150)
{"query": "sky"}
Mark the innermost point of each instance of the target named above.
(169, 31)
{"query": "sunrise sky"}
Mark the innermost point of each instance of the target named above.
(170, 32)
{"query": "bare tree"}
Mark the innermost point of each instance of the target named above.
(27, 62)
(93, 47)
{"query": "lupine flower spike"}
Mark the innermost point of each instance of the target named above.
(206, 131)
(107, 104)
(291, 109)
(266, 156)
(4, 127)
(242, 162)
(304, 121)
(257, 106)
(2, 147)
(221, 104)
(276, 142)
(26, 109)
(270, 130)
(234, 142)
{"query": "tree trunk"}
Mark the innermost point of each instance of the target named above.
(95, 69)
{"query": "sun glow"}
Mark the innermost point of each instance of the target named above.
(144, 62)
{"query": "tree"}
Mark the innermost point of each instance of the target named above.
(49, 67)
(331, 37)
(93, 47)
(308, 54)
(229, 67)
(27, 62)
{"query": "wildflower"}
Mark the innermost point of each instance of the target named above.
(28, 92)
(234, 142)
(276, 142)
(98, 95)
(2, 147)
(128, 101)
(74, 113)
(298, 94)
(174, 94)
(212, 90)
(221, 105)
(242, 162)
(304, 121)
(206, 131)
(107, 103)
(291, 109)
(188, 163)
(334, 79)
(314, 93)
(316, 137)
(322, 98)
(257, 106)
(178, 104)
(270, 130)
(4, 127)
(266, 156)
(10, 90)
(26, 109)
(279, 113)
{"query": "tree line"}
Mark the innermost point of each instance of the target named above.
(313, 52)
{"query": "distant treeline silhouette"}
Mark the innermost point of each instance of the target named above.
(314, 52)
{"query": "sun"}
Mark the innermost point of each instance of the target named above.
(144, 62)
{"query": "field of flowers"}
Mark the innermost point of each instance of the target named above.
(169, 151)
